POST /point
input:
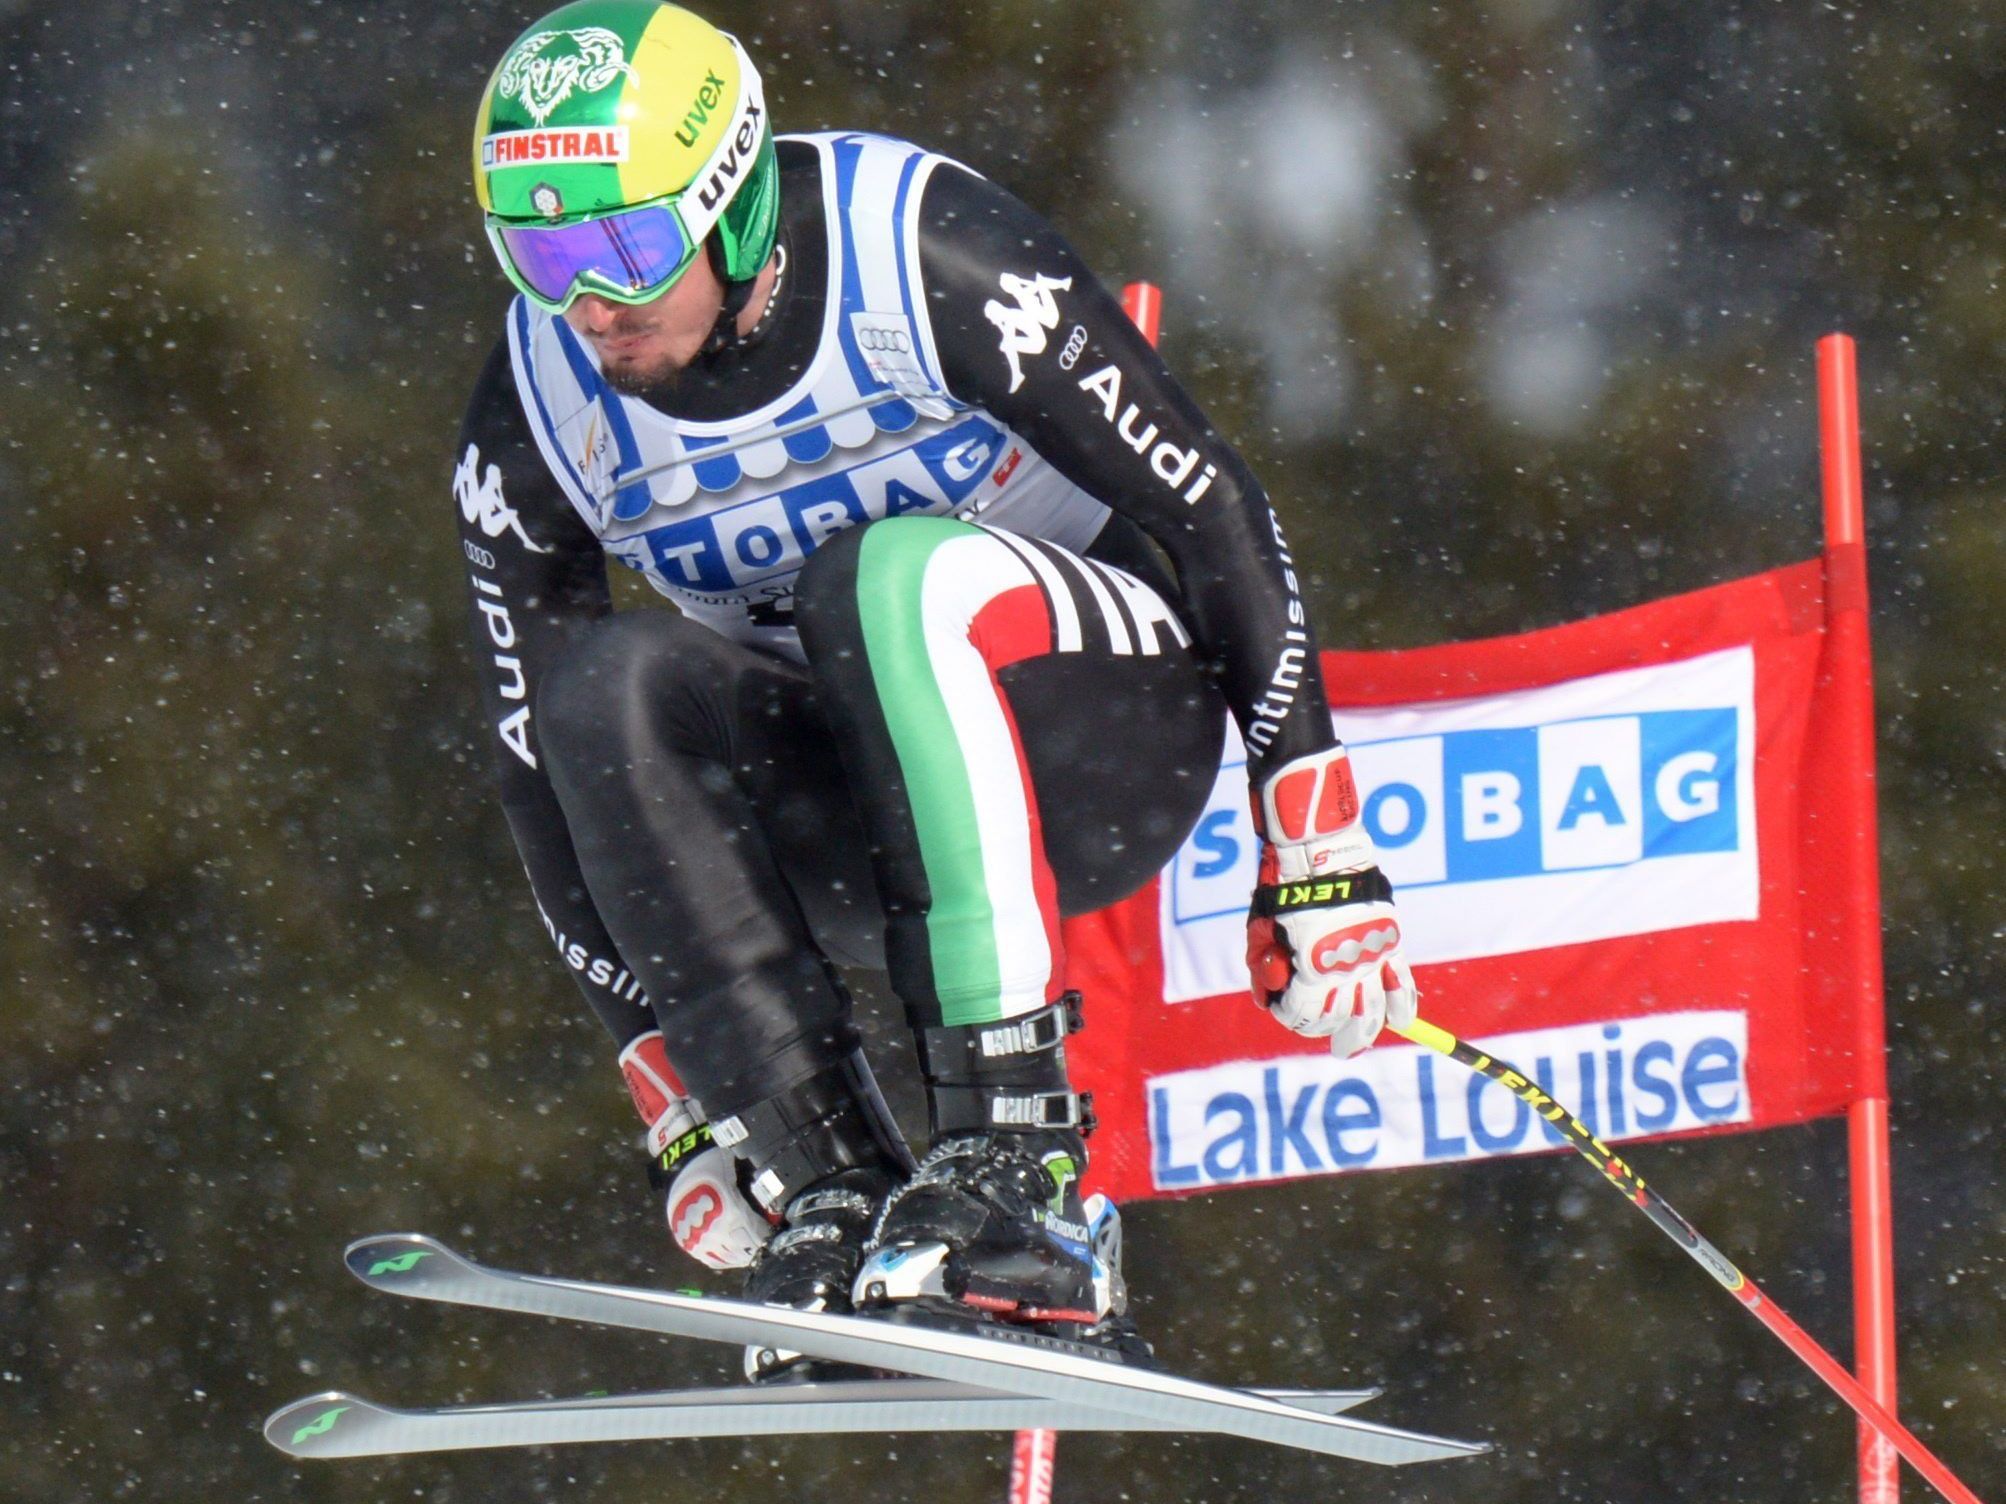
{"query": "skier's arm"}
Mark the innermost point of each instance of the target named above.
(1097, 402)
(535, 576)
(1025, 330)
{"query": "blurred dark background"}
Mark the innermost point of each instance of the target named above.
(1512, 305)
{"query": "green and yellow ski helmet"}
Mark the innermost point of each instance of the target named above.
(615, 137)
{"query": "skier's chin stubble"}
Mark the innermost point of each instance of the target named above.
(659, 377)
(645, 350)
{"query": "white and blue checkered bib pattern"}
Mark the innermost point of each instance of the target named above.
(720, 517)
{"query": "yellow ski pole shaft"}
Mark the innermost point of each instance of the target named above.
(1680, 1231)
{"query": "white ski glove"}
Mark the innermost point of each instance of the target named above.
(1323, 941)
(710, 1217)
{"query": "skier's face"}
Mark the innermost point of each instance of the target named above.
(641, 346)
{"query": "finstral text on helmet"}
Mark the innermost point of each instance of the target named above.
(542, 72)
(605, 144)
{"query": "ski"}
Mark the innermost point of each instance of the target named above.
(345, 1425)
(413, 1265)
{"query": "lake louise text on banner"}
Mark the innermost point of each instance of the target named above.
(1252, 1120)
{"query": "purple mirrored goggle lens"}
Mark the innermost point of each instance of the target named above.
(634, 252)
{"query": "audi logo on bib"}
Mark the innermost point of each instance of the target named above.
(884, 341)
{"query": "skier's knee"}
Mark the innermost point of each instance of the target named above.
(880, 561)
(827, 584)
(587, 699)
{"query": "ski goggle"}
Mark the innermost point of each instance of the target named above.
(629, 255)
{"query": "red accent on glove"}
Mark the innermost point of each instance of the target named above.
(1339, 805)
(1267, 959)
(1292, 794)
(651, 1082)
(1344, 1001)
(1328, 786)
(1371, 938)
(1270, 870)
(691, 1217)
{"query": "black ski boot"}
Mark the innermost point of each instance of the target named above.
(995, 1222)
(821, 1157)
(991, 1231)
(812, 1262)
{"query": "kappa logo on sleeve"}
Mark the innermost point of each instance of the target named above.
(1024, 327)
(480, 499)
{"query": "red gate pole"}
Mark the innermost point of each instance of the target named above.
(1852, 738)
(1032, 1466)
(1143, 303)
(1033, 1460)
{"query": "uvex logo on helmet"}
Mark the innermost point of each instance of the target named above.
(744, 146)
(709, 92)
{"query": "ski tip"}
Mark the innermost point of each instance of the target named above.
(321, 1425)
(1443, 1448)
(388, 1258)
(1393, 1447)
(1322, 1401)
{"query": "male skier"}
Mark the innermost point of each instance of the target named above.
(914, 481)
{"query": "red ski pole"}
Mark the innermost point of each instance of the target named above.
(1709, 1258)
(1033, 1460)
